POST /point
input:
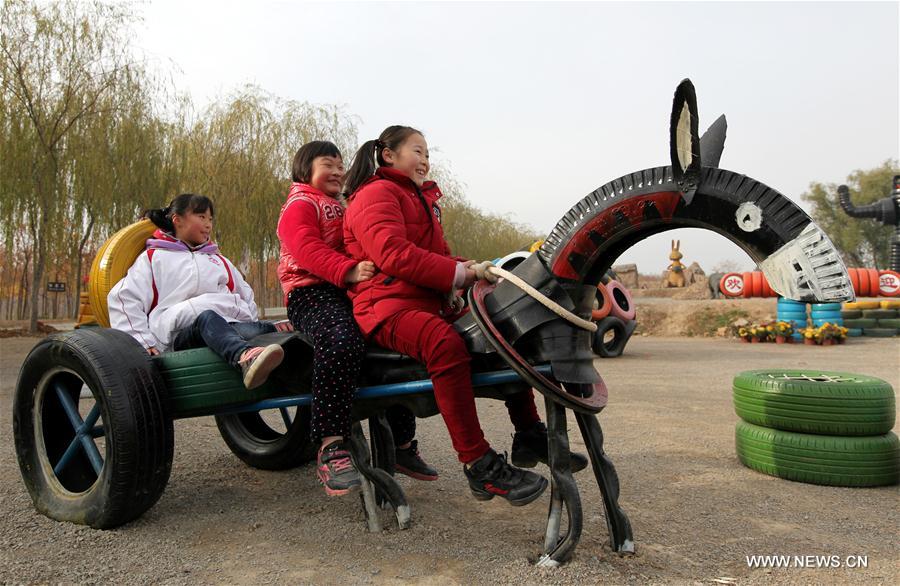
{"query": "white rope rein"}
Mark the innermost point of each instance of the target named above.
(544, 300)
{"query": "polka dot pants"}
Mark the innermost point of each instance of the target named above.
(324, 313)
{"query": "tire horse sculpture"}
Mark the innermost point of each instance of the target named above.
(97, 386)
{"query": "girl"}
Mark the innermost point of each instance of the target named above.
(314, 272)
(394, 221)
(181, 293)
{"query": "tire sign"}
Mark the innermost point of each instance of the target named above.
(889, 283)
(732, 285)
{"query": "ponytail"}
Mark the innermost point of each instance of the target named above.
(162, 218)
(369, 156)
(181, 205)
(363, 167)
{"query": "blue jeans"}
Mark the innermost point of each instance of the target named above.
(228, 340)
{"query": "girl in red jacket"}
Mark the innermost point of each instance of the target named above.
(394, 221)
(314, 271)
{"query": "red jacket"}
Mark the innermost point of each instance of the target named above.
(396, 225)
(312, 240)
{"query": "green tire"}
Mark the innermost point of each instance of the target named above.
(819, 459)
(813, 401)
(880, 313)
(889, 323)
(851, 314)
(880, 332)
(860, 323)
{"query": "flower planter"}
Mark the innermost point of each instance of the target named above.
(809, 342)
(781, 340)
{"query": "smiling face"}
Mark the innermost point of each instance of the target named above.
(193, 228)
(410, 158)
(327, 175)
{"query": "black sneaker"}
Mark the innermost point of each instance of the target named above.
(335, 470)
(492, 476)
(530, 447)
(409, 462)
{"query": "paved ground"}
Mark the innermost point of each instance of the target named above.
(696, 512)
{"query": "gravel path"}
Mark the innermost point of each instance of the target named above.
(696, 512)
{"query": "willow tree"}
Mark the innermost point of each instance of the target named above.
(59, 64)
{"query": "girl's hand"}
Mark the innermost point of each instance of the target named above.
(363, 271)
(470, 279)
(152, 351)
(283, 326)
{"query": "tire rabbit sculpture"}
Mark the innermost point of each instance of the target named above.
(675, 272)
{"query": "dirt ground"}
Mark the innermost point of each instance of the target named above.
(696, 511)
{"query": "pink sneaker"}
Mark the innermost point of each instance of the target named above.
(335, 470)
(256, 364)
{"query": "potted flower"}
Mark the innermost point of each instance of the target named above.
(827, 333)
(743, 334)
(783, 332)
(843, 334)
(809, 336)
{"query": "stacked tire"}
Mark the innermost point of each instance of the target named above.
(793, 312)
(823, 313)
(872, 318)
(614, 314)
(829, 428)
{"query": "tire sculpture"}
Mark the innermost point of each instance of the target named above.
(515, 343)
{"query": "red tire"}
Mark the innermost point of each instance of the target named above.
(757, 277)
(748, 284)
(732, 285)
(854, 279)
(622, 303)
(605, 305)
(889, 283)
(863, 290)
(767, 289)
(874, 283)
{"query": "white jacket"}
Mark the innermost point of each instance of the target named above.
(188, 282)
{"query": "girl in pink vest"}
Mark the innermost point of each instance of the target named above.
(315, 272)
(181, 293)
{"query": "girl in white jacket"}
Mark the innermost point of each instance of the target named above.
(181, 293)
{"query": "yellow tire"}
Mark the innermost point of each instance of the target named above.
(536, 245)
(112, 262)
(890, 304)
(862, 305)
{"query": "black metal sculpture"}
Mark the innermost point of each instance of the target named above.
(886, 211)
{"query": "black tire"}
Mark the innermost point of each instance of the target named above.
(889, 323)
(880, 332)
(851, 314)
(860, 323)
(620, 331)
(763, 222)
(137, 441)
(879, 313)
(812, 401)
(819, 459)
(267, 444)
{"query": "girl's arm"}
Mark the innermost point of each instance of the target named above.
(242, 288)
(129, 303)
(380, 229)
(299, 230)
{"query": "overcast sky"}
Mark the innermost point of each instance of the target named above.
(534, 105)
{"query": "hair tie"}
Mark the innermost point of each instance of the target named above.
(378, 144)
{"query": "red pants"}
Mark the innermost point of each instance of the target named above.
(432, 340)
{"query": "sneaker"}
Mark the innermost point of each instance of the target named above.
(530, 447)
(256, 363)
(335, 470)
(409, 462)
(492, 476)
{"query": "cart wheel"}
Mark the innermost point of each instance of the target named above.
(275, 439)
(93, 436)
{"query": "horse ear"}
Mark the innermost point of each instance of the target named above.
(673, 245)
(684, 139)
